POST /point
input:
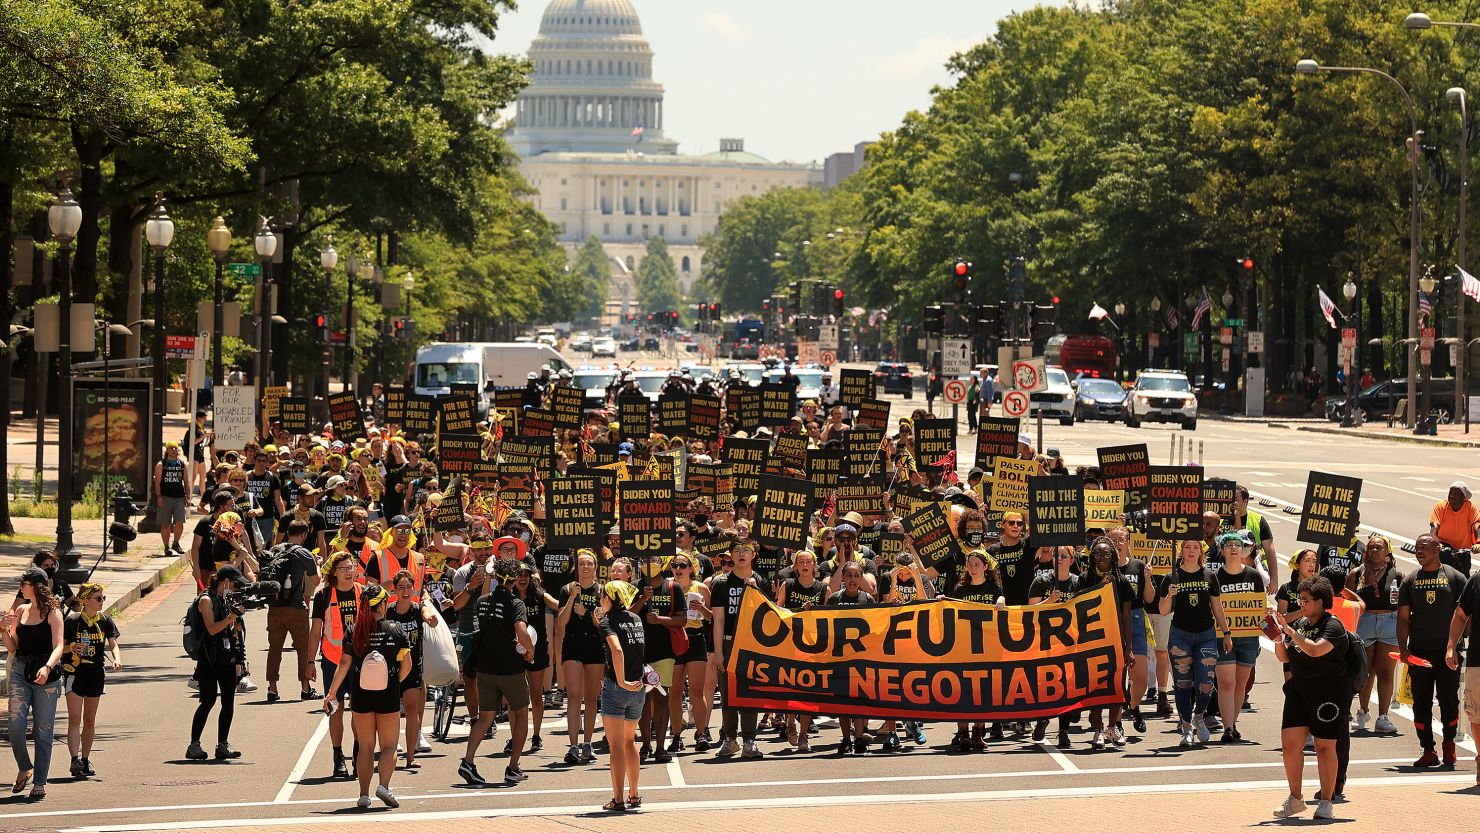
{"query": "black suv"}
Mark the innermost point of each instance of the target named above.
(895, 377)
(1376, 401)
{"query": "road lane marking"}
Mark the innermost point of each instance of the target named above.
(835, 800)
(675, 774)
(304, 759)
(1058, 757)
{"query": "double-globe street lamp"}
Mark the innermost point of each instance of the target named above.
(328, 259)
(1353, 415)
(1415, 229)
(219, 240)
(265, 244)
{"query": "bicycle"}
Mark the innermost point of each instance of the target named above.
(444, 708)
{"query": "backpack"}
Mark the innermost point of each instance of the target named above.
(194, 626)
(1355, 657)
(277, 565)
(374, 672)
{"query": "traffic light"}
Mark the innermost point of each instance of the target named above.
(398, 326)
(934, 319)
(960, 281)
(765, 307)
(320, 326)
(1042, 320)
(988, 322)
(714, 312)
(838, 303)
(1246, 268)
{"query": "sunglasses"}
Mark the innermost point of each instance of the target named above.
(681, 566)
(100, 598)
(1012, 523)
(1064, 557)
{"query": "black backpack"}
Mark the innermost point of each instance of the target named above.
(277, 565)
(1355, 656)
(194, 626)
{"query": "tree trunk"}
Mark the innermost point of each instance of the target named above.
(89, 194)
(7, 274)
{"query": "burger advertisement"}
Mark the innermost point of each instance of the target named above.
(111, 432)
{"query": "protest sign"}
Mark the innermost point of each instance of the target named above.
(1159, 556)
(855, 386)
(574, 509)
(421, 414)
(635, 413)
(395, 405)
(704, 416)
(1056, 510)
(457, 414)
(861, 450)
(1174, 504)
(824, 466)
(950, 660)
(743, 405)
(448, 515)
(509, 402)
(1245, 612)
(932, 535)
(864, 495)
(778, 403)
(1103, 508)
(459, 453)
(647, 519)
(536, 422)
(297, 414)
(872, 413)
(1328, 515)
(890, 545)
(935, 442)
(1124, 468)
(1010, 483)
(236, 416)
(997, 437)
(566, 405)
(606, 492)
(272, 396)
(673, 414)
(530, 456)
(747, 459)
(1218, 495)
(344, 413)
(781, 512)
(790, 451)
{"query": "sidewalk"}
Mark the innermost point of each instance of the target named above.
(1451, 436)
(126, 577)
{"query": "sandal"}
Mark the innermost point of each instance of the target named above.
(634, 801)
(38, 793)
(615, 806)
(21, 780)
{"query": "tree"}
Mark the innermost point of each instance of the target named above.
(590, 279)
(657, 279)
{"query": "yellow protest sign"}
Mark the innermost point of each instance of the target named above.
(1158, 555)
(270, 397)
(1103, 508)
(1010, 483)
(1244, 612)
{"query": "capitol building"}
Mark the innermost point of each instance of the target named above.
(589, 131)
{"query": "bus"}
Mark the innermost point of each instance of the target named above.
(748, 334)
(1089, 355)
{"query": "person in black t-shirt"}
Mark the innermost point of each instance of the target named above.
(728, 595)
(287, 615)
(504, 640)
(622, 689)
(1104, 570)
(1465, 611)
(1318, 694)
(376, 709)
(662, 607)
(1190, 596)
(1058, 585)
(1427, 600)
(1376, 581)
(1014, 562)
(90, 636)
(413, 619)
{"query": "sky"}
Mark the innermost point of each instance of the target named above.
(797, 79)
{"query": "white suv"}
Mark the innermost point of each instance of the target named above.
(1162, 396)
(1055, 400)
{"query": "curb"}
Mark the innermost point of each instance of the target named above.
(1402, 438)
(155, 570)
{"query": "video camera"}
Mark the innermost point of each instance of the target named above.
(254, 596)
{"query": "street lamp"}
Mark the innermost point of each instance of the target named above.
(1423, 425)
(64, 218)
(159, 230)
(328, 259)
(1462, 360)
(1353, 416)
(264, 242)
(1415, 230)
(219, 239)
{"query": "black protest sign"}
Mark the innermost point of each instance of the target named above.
(516, 491)
(861, 451)
(1174, 504)
(997, 437)
(565, 405)
(458, 414)
(778, 403)
(747, 459)
(464, 389)
(510, 403)
(1328, 515)
(1056, 507)
(1218, 495)
(864, 495)
(781, 512)
(890, 545)
(485, 475)
(790, 451)
(599, 454)
(574, 509)
(531, 457)
(344, 412)
(932, 535)
(714, 481)
(743, 405)
(825, 466)
(448, 515)
(909, 498)
(647, 519)
(635, 414)
(459, 453)
(297, 414)
(673, 414)
(935, 442)
(704, 416)
(395, 405)
(606, 492)
(421, 414)
(1124, 467)
(872, 413)
(855, 387)
(536, 422)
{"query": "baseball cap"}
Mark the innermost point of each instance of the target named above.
(400, 520)
(1053, 452)
(336, 480)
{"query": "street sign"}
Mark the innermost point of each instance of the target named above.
(808, 352)
(1029, 375)
(1425, 357)
(1015, 403)
(1256, 341)
(244, 271)
(203, 347)
(827, 336)
(1426, 338)
(1191, 345)
(1227, 354)
(955, 357)
(955, 391)
(179, 347)
(829, 358)
(1225, 336)
(1349, 337)
(1453, 355)
(1153, 339)
(1344, 357)
(1233, 322)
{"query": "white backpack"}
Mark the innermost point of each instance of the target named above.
(374, 672)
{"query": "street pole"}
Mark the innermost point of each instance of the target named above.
(349, 329)
(67, 554)
(1461, 361)
(328, 259)
(219, 239)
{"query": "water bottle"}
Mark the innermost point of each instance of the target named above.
(1393, 594)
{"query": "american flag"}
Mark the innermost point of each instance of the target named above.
(1172, 320)
(1328, 307)
(1203, 308)
(1470, 284)
(1425, 307)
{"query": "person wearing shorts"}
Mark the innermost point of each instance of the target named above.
(376, 712)
(664, 610)
(1468, 605)
(1318, 695)
(622, 691)
(1236, 663)
(504, 640)
(169, 497)
(1376, 582)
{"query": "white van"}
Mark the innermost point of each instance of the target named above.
(488, 365)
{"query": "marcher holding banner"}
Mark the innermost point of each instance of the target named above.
(1242, 596)
(1105, 571)
(1058, 585)
(731, 592)
(1138, 574)
(1190, 597)
(979, 583)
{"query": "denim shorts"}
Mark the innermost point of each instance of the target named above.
(1245, 651)
(1138, 633)
(1381, 626)
(619, 702)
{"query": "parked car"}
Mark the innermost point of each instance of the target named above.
(1376, 401)
(895, 377)
(1057, 400)
(580, 343)
(604, 347)
(1099, 399)
(1162, 396)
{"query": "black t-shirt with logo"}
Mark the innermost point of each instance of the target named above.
(1247, 581)
(1015, 565)
(497, 614)
(843, 599)
(555, 566)
(264, 487)
(1381, 596)
(627, 627)
(730, 593)
(660, 600)
(1136, 574)
(798, 594)
(579, 626)
(1192, 609)
(172, 478)
(336, 510)
(1330, 667)
(410, 624)
(84, 642)
(1045, 583)
(1431, 596)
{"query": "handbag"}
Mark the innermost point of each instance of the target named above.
(678, 637)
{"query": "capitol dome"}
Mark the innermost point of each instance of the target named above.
(592, 89)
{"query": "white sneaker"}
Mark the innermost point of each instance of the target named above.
(387, 797)
(1188, 737)
(421, 743)
(1292, 807)
(363, 802)
(1324, 811)
(246, 685)
(728, 748)
(1384, 726)
(1200, 725)
(1117, 736)
(1359, 720)
(400, 749)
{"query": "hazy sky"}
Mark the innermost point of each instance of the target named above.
(797, 79)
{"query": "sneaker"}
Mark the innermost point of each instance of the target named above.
(586, 754)
(1215, 724)
(509, 746)
(175, 548)
(514, 775)
(308, 694)
(76, 767)
(1292, 807)
(728, 748)
(995, 733)
(573, 757)
(919, 736)
(421, 743)
(387, 797)
(246, 685)
(676, 745)
(536, 744)
(891, 742)
(1138, 722)
(1189, 737)
(1449, 754)
(860, 746)
(1098, 742)
(224, 751)
(642, 754)
(1384, 726)
(1117, 737)
(804, 745)
(363, 802)
(702, 741)
(1163, 705)
(1200, 725)
(662, 756)
(1150, 695)
(193, 685)
(195, 752)
(1359, 721)
(273, 696)
(1324, 811)
(1064, 740)
(87, 769)
(749, 750)
(1428, 758)
(1040, 731)
(1229, 736)
(341, 768)
(469, 773)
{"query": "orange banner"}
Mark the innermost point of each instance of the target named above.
(943, 660)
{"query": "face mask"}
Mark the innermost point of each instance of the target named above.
(975, 538)
(51, 571)
(701, 520)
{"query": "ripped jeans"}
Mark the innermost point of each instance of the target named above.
(1194, 656)
(29, 700)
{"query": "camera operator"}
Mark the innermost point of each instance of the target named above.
(222, 662)
(232, 547)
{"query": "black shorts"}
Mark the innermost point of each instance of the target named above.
(541, 659)
(698, 647)
(84, 685)
(583, 648)
(412, 681)
(1322, 708)
(377, 702)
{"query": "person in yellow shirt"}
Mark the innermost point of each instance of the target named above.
(1454, 520)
